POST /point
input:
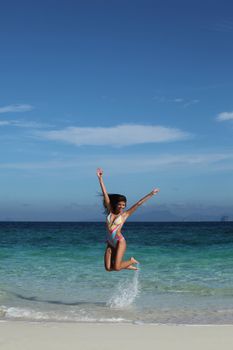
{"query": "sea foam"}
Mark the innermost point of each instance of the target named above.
(125, 293)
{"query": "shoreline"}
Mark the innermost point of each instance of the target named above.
(114, 323)
(91, 336)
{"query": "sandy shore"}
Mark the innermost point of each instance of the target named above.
(49, 336)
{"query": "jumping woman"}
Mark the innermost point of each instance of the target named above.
(116, 217)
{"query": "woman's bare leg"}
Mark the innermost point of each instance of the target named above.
(131, 268)
(108, 258)
(119, 264)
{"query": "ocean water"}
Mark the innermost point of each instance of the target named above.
(55, 272)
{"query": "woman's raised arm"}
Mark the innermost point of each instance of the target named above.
(131, 210)
(99, 173)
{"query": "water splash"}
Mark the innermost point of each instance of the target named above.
(125, 293)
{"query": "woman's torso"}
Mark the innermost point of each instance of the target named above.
(114, 225)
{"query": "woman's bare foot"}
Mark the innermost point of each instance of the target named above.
(132, 267)
(134, 261)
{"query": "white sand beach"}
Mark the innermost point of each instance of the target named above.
(60, 336)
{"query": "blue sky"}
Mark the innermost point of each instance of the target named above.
(143, 89)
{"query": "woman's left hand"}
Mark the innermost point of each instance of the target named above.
(99, 172)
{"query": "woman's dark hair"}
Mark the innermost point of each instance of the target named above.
(114, 200)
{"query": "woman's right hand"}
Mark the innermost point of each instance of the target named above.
(155, 191)
(99, 172)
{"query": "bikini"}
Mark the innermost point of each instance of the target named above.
(113, 235)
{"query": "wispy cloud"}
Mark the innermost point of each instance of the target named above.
(39, 165)
(23, 124)
(219, 25)
(120, 135)
(199, 161)
(224, 116)
(133, 163)
(225, 26)
(164, 99)
(4, 122)
(191, 102)
(16, 108)
(179, 100)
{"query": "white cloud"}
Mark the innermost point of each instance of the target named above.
(4, 122)
(120, 135)
(191, 102)
(38, 165)
(23, 124)
(133, 163)
(142, 163)
(225, 116)
(16, 108)
(224, 26)
(178, 100)
(183, 102)
(164, 99)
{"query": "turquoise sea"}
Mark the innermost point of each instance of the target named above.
(55, 272)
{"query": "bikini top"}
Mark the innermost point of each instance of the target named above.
(117, 222)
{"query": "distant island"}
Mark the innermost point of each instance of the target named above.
(224, 218)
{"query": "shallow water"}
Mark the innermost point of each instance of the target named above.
(54, 271)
